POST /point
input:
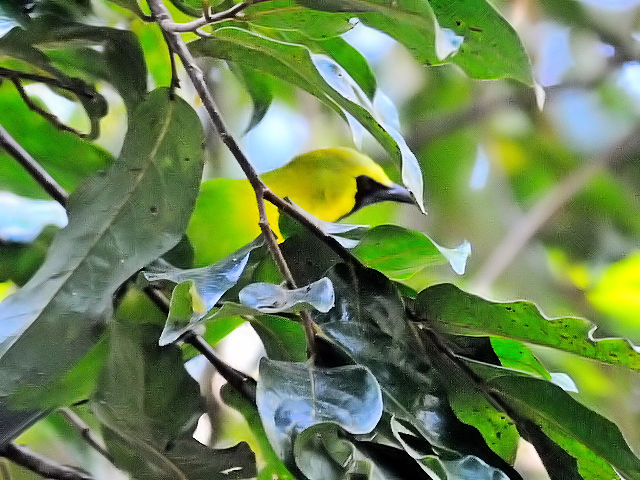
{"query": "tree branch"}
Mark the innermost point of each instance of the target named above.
(39, 174)
(524, 230)
(85, 432)
(43, 466)
(208, 18)
(179, 47)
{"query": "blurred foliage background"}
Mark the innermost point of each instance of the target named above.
(549, 198)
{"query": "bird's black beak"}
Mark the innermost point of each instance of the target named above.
(369, 192)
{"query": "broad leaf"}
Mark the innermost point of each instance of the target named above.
(118, 222)
(271, 298)
(574, 427)
(148, 415)
(450, 309)
(489, 47)
(294, 64)
(399, 253)
(283, 339)
(294, 396)
(513, 354)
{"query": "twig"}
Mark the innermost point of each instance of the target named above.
(50, 117)
(179, 47)
(39, 174)
(85, 432)
(208, 18)
(523, 230)
(244, 384)
(43, 466)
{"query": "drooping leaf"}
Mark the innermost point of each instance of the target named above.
(294, 396)
(582, 432)
(455, 311)
(209, 284)
(283, 339)
(259, 89)
(271, 298)
(399, 253)
(118, 61)
(489, 47)
(294, 64)
(148, 415)
(118, 222)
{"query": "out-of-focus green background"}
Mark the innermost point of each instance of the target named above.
(547, 200)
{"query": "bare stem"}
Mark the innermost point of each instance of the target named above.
(43, 466)
(525, 229)
(85, 432)
(39, 174)
(207, 18)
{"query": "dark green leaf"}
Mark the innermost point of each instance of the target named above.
(294, 396)
(400, 253)
(149, 413)
(574, 427)
(295, 64)
(118, 222)
(456, 311)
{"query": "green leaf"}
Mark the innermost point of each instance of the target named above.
(294, 396)
(490, 47)
(400, 253)
(37, 136)
(369, 325)
(285, 15)
(130, 5)
(149, 434)
(209, 284)
(272, 465)
(258, 87)
(271, 298)
(295, 64)
(569, 423)
(118, 61)
(513, 354)
(118, 222)
(283, 339)
(450, 309)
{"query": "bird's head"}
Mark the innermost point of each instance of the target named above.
(335, 182)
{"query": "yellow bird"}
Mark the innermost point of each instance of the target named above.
(329, 184)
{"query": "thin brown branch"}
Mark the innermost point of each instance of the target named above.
(39, 174)
(41, 465)
(525, 229)
(179, 47)
(207, 19)
(85, 432)
(50, 117)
